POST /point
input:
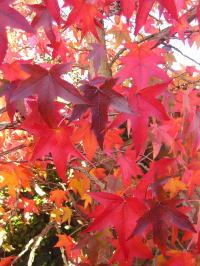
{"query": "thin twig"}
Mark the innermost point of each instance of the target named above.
(159, 36)
(31, 242)
(21, 146)
(91, 177)
(36, 244)
(180, 52)
(62, 250)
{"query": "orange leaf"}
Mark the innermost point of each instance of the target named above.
(7, 261)
(61, 215)
(85, 134)
(174, 186)
(58, 196)
(15, 177)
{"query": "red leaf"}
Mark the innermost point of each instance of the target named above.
(127, 7)
(129, 166)
(145, 7)
(54, 140)
(86, 15)
(120, 213)
(136, 249)
(162, 215)
(100, 95)
(141, 63)
(45, 16)
(48, 85)
(54, 9)
(7, 261)
(10, 18)
(97, 54)
(144, 104)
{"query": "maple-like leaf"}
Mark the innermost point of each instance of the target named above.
(58, 196)
(85, 15)
(61, 215)
(45, 16)
(100, 95)
(60, 50)
(84, 133)
(145, 7)
(118, 212)
(15, 177)
(136, 249)
(144, 104)
(194, 238)
(191, 176)
(11, 107)
(164, 133)
(180, 27)
(54, 140)
(194, 129)
(28, 206)
(174, 186)
(141, 63)
(121, 33)
(161, 215)
(158, 174)
(13, 71)
(128, 166)
(47, 85)
(127, 7)
(54, 9)
(10, 18)
(80, 183)
(113, 140)
(68, 244)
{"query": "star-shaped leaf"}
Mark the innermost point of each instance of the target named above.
(100, 96)
(145, 7)
(161, 215)
(47, 85)
(144, 104)
(141, 63)
(54, 140)
(10, 18)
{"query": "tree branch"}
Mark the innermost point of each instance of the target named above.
(160, 36)
(13, 149)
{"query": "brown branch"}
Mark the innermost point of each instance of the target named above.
(180, 52)
(91, 177)
(160, 36)
(104, 69)
(35, 241)
(117, 55)
(4, 126)
(13, 149)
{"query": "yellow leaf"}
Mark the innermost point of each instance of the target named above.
(174, 186)
(67, 214)
(61, 215)
(15, 177)
(79, 183)
(87, 199)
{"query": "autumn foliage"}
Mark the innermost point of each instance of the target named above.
(99, 133)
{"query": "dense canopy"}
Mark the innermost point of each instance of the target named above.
(99, 132)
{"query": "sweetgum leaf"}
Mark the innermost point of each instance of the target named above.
(162, 215)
